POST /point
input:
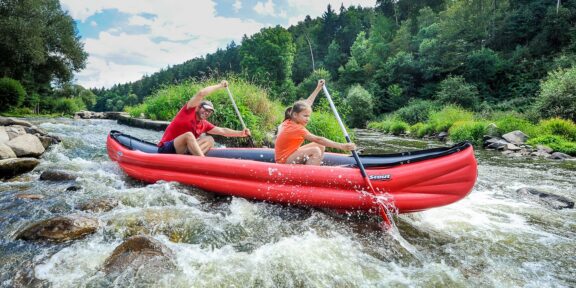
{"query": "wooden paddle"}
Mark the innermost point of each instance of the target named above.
(250, 141)
(384, 211)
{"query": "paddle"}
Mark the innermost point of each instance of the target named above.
(384, 211)
(250, 141)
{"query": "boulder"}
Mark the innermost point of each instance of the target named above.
(551, 200)
(139, 253)
(515, 137)
(3, 135)
(16, 166)
(7, 121)
(559, 156)
(60, 229)
(492, 130)
(544, 149)
(26, 145)
(101, 205)
(6, 152)
(495, 143)
(512, 147)
(53, 175)
(15, 131)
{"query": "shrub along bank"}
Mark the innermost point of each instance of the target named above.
(462, 125)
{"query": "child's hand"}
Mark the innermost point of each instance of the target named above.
(347, 146)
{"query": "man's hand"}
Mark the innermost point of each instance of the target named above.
(224, 84)
(321, 83)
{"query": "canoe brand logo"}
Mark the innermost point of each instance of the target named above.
(385, 177)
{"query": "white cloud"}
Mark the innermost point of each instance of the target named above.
(301, 8)
(179, 31)
(265, 8)
(237, 5)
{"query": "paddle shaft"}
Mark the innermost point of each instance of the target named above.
(239, 115)
(362, 170)
(383, 209)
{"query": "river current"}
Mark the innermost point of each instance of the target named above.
(495, 237)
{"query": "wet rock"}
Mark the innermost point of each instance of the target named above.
(551, 200)
(559, 156)
(6, 152)
(138, 254)
(74, 188)
(14, 131)
(3, 135)
(7, 121)
(515, 137)
(492, 130)
(512, 147)
(26, 146)
(16, 166)
(495, 143)
(442, 136)
(53, 175)
(30, 196)
(60, 229)
(101, 205)
(143, 123)
(544, 149)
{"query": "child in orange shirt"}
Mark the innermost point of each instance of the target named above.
(293, 132)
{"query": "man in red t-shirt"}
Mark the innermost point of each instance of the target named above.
(185, 134)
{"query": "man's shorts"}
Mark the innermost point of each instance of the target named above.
(167, 148)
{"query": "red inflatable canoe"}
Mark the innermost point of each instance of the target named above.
(412, 181)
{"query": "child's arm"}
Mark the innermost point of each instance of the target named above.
(329, 143)
(312, 96)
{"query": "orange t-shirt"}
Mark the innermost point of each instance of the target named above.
(289, 139)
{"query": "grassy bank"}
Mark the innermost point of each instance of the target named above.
(463, 125)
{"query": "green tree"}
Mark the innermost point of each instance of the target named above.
(39, 43)
(361, 104)
(558, 95)
(455, 90)
(267, 58)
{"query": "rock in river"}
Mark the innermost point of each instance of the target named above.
(60, 229)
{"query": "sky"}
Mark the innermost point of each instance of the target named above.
(127, 39)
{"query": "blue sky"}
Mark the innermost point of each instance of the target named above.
(128, 39)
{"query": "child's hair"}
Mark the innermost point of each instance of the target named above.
(298, 107)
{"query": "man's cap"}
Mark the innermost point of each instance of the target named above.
(207, 105)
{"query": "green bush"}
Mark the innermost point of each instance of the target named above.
(558, 95)
(508, 122)
(390, 125)
(325, 124)
(68, 106)
(12, 93)
(557, 143)
(441, 121)
(472, 131)
(416, 111)
(558, 127)
(455, 90)
(361, 104)
(399, 127)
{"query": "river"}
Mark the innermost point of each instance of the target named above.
(495, 237)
